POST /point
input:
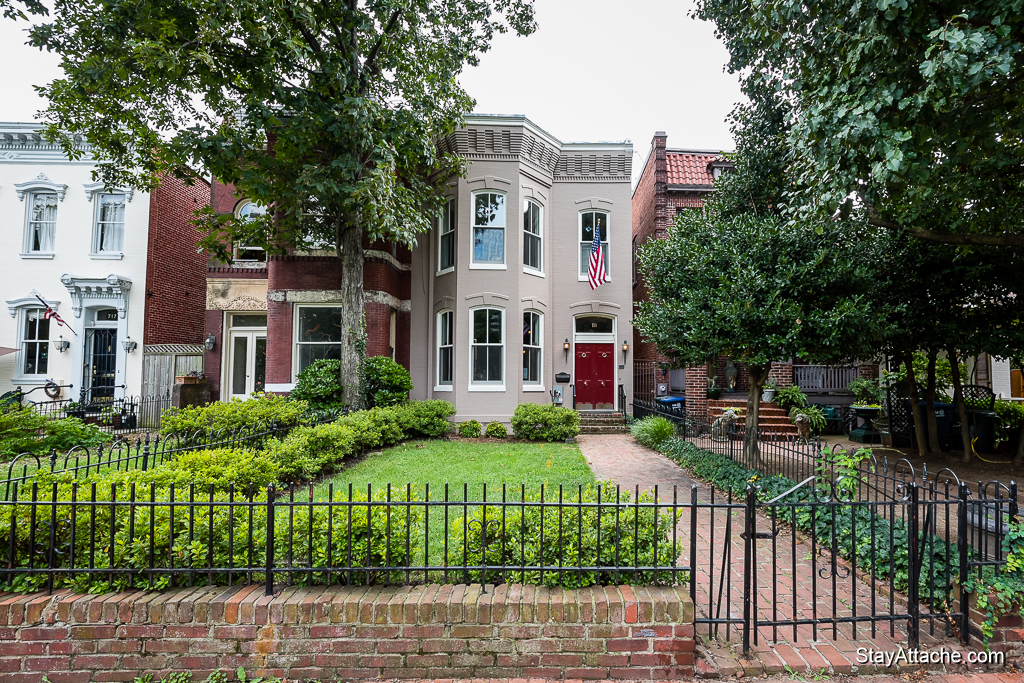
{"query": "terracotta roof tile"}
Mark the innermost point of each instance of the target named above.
(689, 168)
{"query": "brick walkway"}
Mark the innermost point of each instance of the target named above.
(794, 582)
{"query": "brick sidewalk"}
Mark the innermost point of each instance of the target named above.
(795, 582)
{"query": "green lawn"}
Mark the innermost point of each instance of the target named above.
(457, 463)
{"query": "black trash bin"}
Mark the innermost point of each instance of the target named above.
(983, 424)
(944, 413)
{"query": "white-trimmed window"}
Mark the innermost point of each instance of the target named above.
(41, 222)
(532, 347)
(243, 252)
(35, 343)
(533, 236)
(488, 230)
(446, 238)
(108, 236)
(318, 334)
(487, 348)
(445, 348)
(589, 220)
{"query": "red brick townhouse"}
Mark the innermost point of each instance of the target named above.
(673, 181)
(508, 261)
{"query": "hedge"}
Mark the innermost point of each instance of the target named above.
(545, 422)
(226, 416)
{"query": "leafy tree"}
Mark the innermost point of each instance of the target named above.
(326, 112)
(915, 109)
(759, 289)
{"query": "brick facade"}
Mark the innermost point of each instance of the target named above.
(338, 632)
(175, 270)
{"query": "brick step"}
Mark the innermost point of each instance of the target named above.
(603, 429)
(772, 412)
(738, 403)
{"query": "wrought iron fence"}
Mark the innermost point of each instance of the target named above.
(114, 415)
(145, 453)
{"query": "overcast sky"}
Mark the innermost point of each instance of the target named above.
(594, 70)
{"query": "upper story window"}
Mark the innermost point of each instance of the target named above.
(446, 238)
(489, 230)
(41, 222)
(532, 348)
(108, 236)
(590, 221)
(445, 348)
(245, 252)
(532, 236)
(488, 347)
(317, 334)
(35, 342)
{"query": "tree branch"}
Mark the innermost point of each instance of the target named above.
(370, 67)
(1014, 240)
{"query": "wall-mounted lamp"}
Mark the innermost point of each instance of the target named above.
(129, 345)
(566, 346)
(625, 347)
(61, 344)
(210, 342)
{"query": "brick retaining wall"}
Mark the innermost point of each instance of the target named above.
(350, 633)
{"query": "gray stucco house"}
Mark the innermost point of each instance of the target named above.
(500, 302)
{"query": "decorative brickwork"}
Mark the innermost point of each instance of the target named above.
(449, 631)
(175, 271)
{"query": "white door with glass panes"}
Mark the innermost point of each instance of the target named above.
(247, 354)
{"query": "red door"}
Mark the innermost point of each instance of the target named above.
(595, 376)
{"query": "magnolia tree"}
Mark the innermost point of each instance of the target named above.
(325, 112)
(757, 289)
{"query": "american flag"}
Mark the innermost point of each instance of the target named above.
(52, 314)
(596, 273)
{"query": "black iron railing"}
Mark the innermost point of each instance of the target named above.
(114, 415)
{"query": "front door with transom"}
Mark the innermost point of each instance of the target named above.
(595, 376)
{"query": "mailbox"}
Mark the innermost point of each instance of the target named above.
(562, 378)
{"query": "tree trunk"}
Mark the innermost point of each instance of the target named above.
(961, 407)
(350, 252)
(751, 455)
(915, 405)
(929, 406)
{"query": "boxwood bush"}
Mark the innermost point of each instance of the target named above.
(230, 415)
(319, 385)
(545, 422)
(215, 535)
(384, 382)
(470, 429)
(628, 537)
(496, 430)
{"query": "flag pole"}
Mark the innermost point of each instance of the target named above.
(60, 321)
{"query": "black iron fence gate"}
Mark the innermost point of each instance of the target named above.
(875, 562)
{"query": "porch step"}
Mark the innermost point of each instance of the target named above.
(770, 417)
(602, 423)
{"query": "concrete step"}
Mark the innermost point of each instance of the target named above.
(598, 421)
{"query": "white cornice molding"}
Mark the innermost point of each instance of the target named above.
(113, 288)
(93, 188)
(40, 182)
(30, 301)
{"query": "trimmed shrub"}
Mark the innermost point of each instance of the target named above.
(23, 430)
(212, 418)
(635, 536)
(310, 451)
(319, 385)
(496, 430)
(469, 429)
(545, 422)
(427, 419)
(215, 535)
(384, 382)
(652, 431)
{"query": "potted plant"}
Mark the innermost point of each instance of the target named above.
(769, 389)
(194, 377)
(867, 405)
(713, 391)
